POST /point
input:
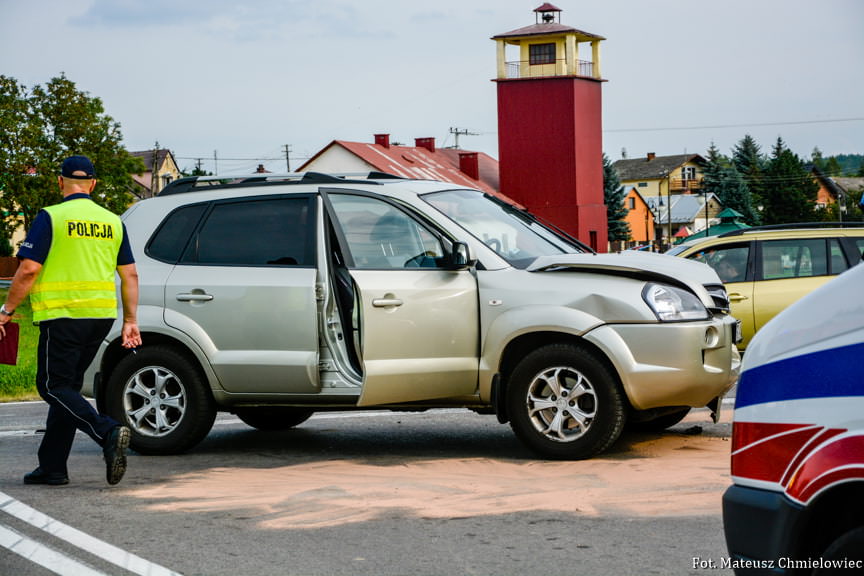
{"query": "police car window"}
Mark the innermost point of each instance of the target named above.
(269, 232)
(380, 236)
(797, 258)
(173, 235)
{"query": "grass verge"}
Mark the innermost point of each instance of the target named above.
(19, 382)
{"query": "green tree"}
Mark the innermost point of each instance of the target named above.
(616, 211)
(789, 193)
(41, 127)
(750, 163)
(723, 180)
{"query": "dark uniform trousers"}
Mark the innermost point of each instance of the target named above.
(66, 348)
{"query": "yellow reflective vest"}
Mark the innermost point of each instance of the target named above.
(77, 277)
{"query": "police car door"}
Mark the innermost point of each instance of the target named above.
(419, 322)
(244, 291)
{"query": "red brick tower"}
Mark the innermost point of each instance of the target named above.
(550, 145)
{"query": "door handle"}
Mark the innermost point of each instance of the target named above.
(194, 297)
(737, 297)
(386, 302)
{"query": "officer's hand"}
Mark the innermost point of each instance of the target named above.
(131, 335)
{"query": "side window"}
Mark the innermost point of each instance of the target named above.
(169, 241)
(838, 260)
(380, 236)
(260, 232)
(859, 242)
(795, 258)
(541, 54)
(730, 262)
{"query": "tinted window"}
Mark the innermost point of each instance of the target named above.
(859, 242)
(838, 260)
(380, 236)
(275, 231)
(794, 258)
(172, 236)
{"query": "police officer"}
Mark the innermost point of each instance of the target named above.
(67, 265)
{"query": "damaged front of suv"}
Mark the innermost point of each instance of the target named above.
(574, 344)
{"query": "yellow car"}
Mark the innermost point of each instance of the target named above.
(767, 268)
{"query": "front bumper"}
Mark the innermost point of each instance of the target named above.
(761, 530)
(672, 364)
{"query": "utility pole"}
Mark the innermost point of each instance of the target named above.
(460, 132)
(287, 148)
(215, 164)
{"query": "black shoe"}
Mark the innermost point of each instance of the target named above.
(39, 476)
(115, 454)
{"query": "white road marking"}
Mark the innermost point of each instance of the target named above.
(44, 556)
(99, 548)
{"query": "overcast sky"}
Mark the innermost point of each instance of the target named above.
(242, 79)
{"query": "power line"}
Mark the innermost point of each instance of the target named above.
(722, 126)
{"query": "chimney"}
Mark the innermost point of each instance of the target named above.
(469, 164)
(651, 156)
(427, 143)
(382, 140)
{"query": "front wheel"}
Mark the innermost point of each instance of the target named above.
(847, 550)
(565, 403)
(162, 398)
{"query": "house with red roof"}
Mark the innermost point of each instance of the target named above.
(424, 160)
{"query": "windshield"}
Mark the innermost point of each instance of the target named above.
(514, 234)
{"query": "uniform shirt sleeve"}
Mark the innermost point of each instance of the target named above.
(38, 241)
(124, 256)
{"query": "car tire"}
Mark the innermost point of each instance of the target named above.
(848, 547)
(162, 398)
(658, 424)
(565, 403)
(273, 418)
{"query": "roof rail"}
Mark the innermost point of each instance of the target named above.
(200, 183)
(792, 226)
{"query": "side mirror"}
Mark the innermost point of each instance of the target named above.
(460, 257)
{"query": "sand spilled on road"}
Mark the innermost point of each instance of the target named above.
(668, 475)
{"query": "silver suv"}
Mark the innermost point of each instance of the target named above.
(274, 298)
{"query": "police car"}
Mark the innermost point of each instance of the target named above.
(797, 502)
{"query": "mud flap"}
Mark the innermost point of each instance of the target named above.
(714, 405)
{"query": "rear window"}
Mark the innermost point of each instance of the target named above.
(170, 240)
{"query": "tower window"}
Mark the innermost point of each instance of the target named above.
(541, 54)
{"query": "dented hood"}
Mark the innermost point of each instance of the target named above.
(647, 265)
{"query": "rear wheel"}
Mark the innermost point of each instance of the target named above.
(162, 398)
(565, 403)
(272, 418)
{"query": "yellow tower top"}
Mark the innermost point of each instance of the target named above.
(547, 48)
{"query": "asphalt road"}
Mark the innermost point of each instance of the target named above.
(437, 493)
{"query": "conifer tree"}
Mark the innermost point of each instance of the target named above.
(789, 193)
(749, 161)
(616, 211)
(724, 181)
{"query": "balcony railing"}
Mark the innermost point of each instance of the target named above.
(524, 69)
(686, 183)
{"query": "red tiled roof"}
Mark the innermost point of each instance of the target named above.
(420, 163)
